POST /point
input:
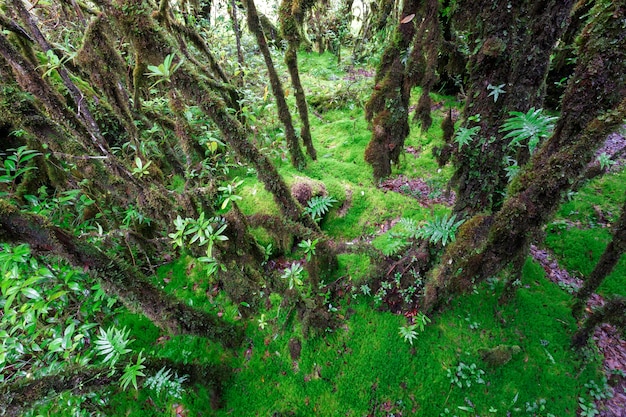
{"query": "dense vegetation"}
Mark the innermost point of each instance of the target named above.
(168, 248)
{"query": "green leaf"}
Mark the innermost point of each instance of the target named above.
(465, 136)
(31, 293)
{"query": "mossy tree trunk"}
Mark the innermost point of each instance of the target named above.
(18, 396)
(613, 312)
(563, 62)
(232, 10)
(123, 281)
(424, 58)
(409, 60)
(507, 73)
(291, 14)
(297, 157)
(593, 107)
(610, 257)
(388, 106)
(82, 111)
(153, 46)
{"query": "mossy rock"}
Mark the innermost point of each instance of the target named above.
(499, 355)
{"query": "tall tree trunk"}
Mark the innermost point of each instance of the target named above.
(408, 61)
(610, 257)
(291, 15)
(424, 57)
(506, 74)
(297, 157)
(232, 10)
(387, 108)
(593, 107)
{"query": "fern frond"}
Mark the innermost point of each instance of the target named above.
(319, 205)
(441, 229)
(465, 136)
(531, 126)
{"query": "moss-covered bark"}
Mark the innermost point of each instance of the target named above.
(121, 280)
(515, 42)
(593, 107)
(17, 397)
(613, 312)
(610, 257)
(291, 14)
(410, 60)
(388, 106)
(424, 58)
(297, 157)
(154, 46)
(82, 111)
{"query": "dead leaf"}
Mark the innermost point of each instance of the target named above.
(408, 18)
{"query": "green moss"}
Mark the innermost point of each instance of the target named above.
(347, 372)
(580, 232)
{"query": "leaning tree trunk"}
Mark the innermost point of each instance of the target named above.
(297, 157)
(610, 257)
(17, 397)
(291, 15)
(82, 111)
(119, 279)
(613, 312)
(154, 47)
(506, 74)
(593, 107)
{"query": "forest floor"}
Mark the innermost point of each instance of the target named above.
(607, 338)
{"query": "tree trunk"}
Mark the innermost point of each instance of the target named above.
(387, 108)
(605, 265)
(154, 47)
(81, 109)
(232, 9)
(408, 61)
(123, 281)
(613, 312)
(514, 56)
(17, 397)
(297, 157)
(290, 21)
(593, 107)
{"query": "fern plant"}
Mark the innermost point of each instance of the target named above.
(112, 344)
(529, 127)
(441, 229)
(465, 135)
(164, 383)
(132, 371)
(399, 237)
(408, 333)
(318, 206)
